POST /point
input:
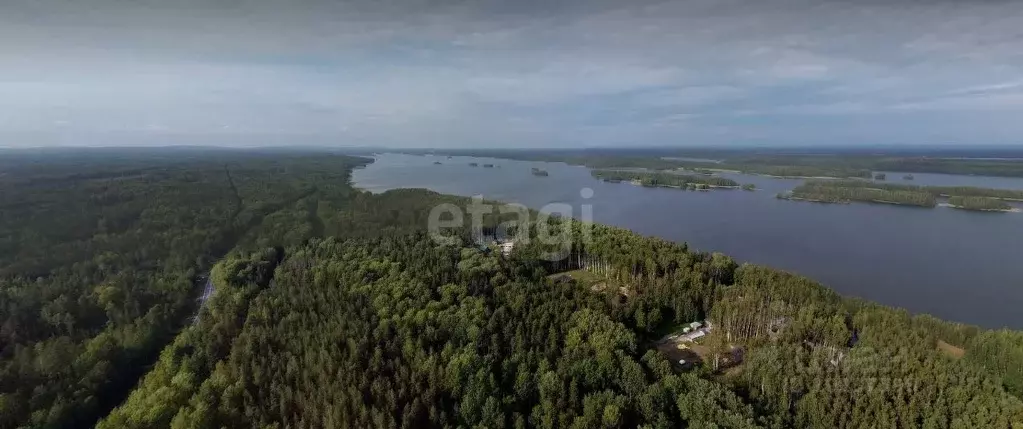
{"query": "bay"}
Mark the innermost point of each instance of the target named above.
(954, 264)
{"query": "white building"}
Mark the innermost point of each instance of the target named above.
(693, 336)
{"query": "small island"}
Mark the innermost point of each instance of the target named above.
(908, 177)
(983, 204)
(749, 187)
(665, 180)
(540, 173)
(836, 191)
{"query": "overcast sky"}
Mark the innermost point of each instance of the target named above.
(511, 73)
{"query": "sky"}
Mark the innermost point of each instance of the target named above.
(488, 74)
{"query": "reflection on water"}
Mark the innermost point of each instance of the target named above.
(958, 265)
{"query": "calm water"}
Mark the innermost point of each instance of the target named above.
(957, 265)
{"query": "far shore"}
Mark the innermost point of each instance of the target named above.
(812, 200)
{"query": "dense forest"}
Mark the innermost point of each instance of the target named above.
(664, 179)
(101, 255)
(334, 308)
(402, 331)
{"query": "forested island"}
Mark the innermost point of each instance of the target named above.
(970, 191)
(842, 191)
(832, 191)
(335, 308)
(979, 204)
(664, 180)
(539, 172)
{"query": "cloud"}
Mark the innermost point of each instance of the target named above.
(990, 88)
(435, 73)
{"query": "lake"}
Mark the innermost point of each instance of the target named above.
(957, 265)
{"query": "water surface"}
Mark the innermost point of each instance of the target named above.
(957, 265)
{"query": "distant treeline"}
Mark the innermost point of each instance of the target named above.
(664, 179)
(778, 170)
(882, 162)
(953, 166)
(767, 162)
(611, 161)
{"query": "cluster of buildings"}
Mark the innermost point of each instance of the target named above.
(695, 331)
(691, 332)
(503, 246)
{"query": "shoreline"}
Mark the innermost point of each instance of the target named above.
(796, 272)
(1014, 200)
(624, 222)
(1009, 210)
(896, 203)
(812, 200)
(890, 203)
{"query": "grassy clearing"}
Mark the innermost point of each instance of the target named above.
(950, 350)
(585, 278)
